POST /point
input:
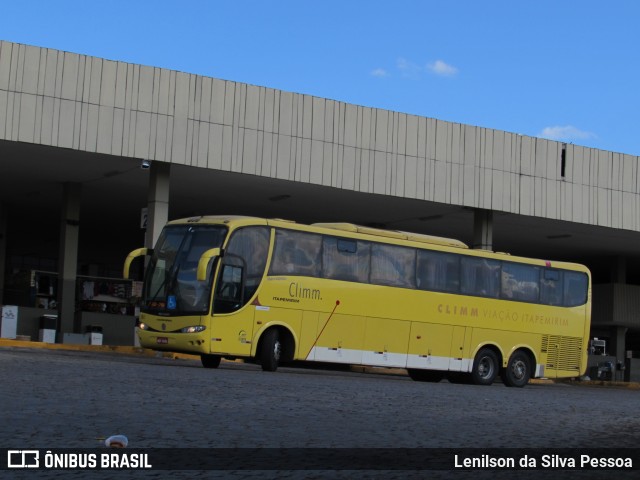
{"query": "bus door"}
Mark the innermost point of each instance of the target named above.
(231, 324)
(239, 277)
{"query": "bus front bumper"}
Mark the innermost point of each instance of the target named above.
(194, 343)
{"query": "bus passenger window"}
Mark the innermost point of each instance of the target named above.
(391, 265)
(575, 289)
(341, 261)
(296, 253)
(347, 246)
(438, 271)
(520, 282)
(551, 287)
(480, 277)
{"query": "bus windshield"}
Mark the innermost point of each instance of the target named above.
(170, 284)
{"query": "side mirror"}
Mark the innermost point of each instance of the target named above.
(138, 252)
(203, 263)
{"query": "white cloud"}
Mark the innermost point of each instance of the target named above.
(412, 70)
(379, 72)
(567, 133)
(441, 68)
(408, 68)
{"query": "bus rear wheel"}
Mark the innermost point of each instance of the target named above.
(270, 350)
(485, 367)
(518, 370)
(425, 375)
(210, 361)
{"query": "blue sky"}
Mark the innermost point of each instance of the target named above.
(565, 70)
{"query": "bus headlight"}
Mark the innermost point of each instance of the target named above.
(193, 329)
(143, 326)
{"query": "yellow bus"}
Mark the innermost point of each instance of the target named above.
(275, 291)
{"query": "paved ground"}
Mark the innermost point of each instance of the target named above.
(62, 399)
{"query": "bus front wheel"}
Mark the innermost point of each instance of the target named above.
(270, 350)
(210, 361)
(485, 367)
(518, 370)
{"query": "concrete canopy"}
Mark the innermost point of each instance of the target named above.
(114, 192)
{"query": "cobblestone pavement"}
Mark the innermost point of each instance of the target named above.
(61, 399)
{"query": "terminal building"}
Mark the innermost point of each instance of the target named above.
(96, 155)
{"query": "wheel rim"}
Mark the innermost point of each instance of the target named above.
(485, 367)
(519, 369)
(277, 349)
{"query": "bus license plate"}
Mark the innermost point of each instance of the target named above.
(163, 340)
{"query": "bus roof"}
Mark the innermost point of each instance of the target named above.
(220, 219)
(416, 237)
(343, 226)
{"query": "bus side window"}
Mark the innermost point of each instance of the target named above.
(480, 277)
(520, 282)
(251, 244)
(242, 269)
(391, 265)
(438, 271)
(228, 296)
(296, 253)
(551, 287)
(231, 283)
(345, 259)
(575, 289)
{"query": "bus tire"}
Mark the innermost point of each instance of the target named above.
(425, 375)
(210, 361)
(485, 367)
(270, 350)
(518, 371)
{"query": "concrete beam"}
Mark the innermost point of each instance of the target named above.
(483, 229)
(68, 258)
(157, 201)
